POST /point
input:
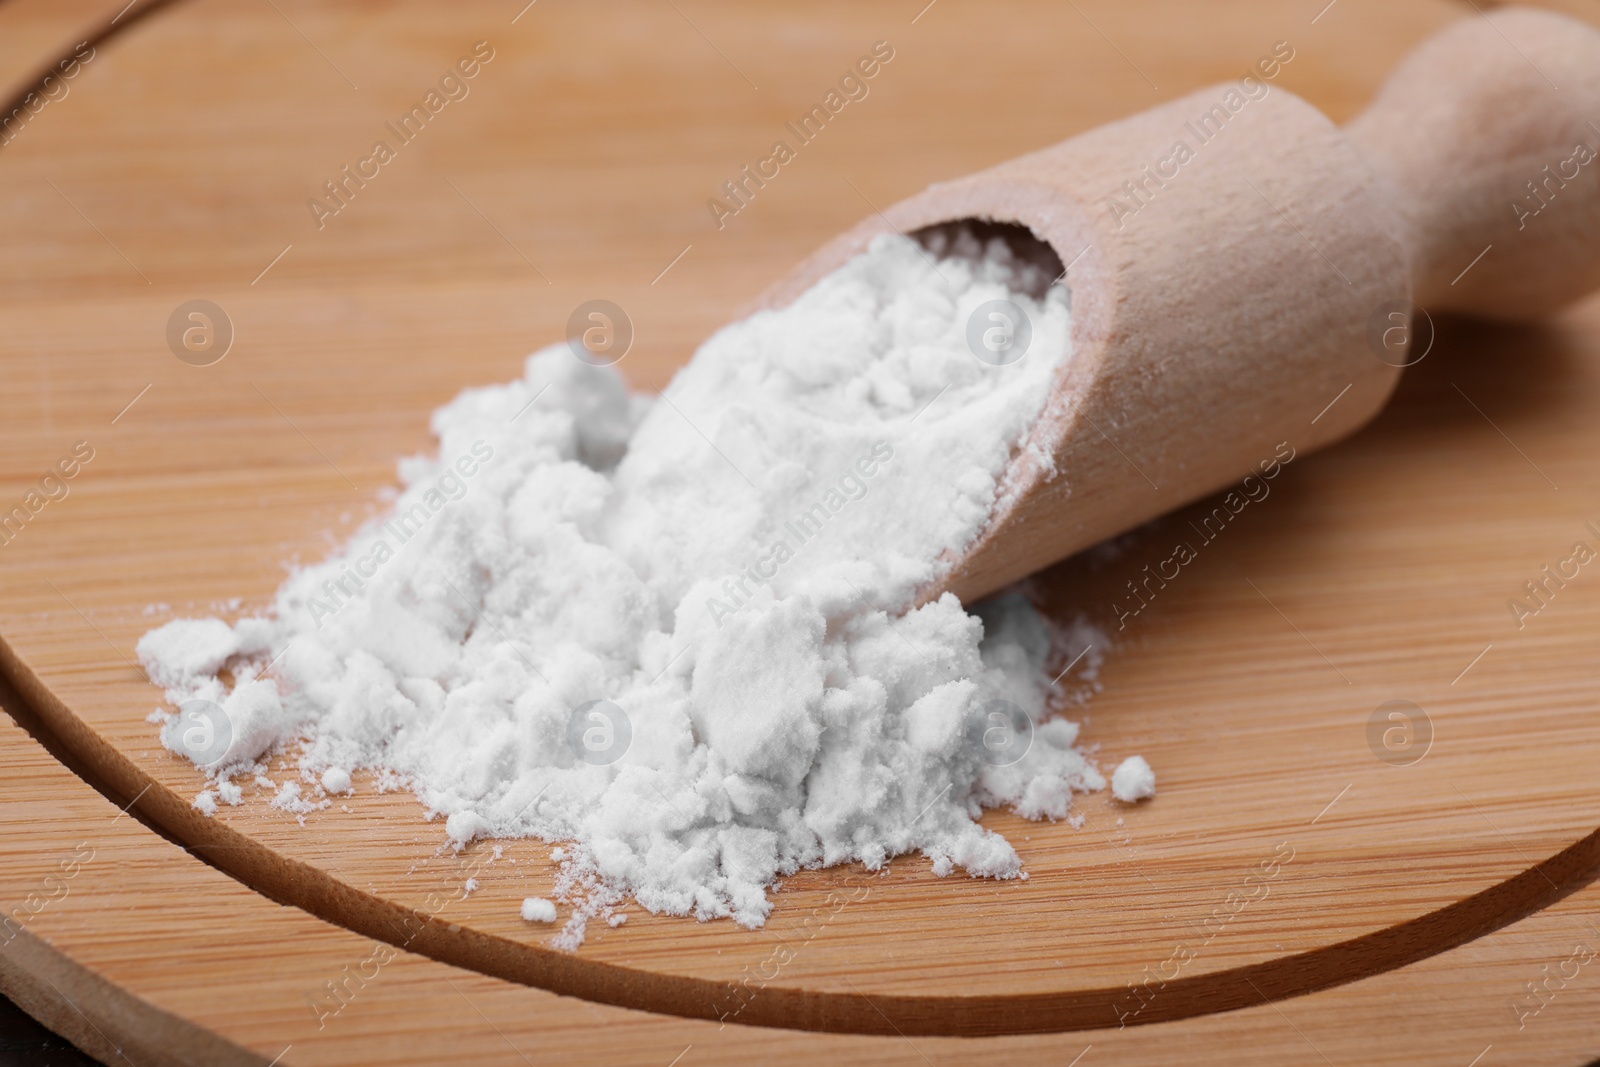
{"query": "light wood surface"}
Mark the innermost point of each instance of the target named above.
(137, 956)
(35, 33)
(1377, 571)
(1239, 265)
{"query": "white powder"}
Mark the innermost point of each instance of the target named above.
(538, 910)
(727, 571)
(1133, 780)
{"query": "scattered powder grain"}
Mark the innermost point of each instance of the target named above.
(1133, 780)
(538, 910)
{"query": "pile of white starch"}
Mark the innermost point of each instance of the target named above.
(673, 633)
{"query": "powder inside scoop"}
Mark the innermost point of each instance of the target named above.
(676, 632)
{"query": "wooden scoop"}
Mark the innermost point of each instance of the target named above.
(1253, 289)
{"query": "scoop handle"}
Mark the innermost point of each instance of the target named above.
(1488, 133)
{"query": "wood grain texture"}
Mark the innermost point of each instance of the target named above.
(35, 33)
(1375, 572)
(1477, 139)
(138, 956)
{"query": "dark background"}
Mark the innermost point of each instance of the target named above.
(23, 1041)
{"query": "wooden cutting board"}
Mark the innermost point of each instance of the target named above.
(1260, 683)
(112, 962)
(184, 989)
